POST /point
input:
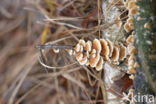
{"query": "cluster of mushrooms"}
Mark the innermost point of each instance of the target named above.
(131, 62)
(99, 51)
(95, 53)
(132, 8)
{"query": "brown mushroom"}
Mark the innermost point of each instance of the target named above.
(77, 48)
(131, 50)
(81, 48)
(128, 27)
(105, 49)
(131, 71)
(132, 4)
(130, 20)
(93, 53)
(82, 42)
(99, 65)
(133, 12)
(115, 54)
(84, 60)
(110, 45)
(123, 52)
(88, 46)
(79, 56)
(97, 45)
(94, 60)
(130, 39)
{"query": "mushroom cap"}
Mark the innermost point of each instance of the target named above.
(132, 4)
(88, 46)
(99, 65)
(123, 52)
(81, 48)
(94, 60)
(115, 54)
(79, 56)
(84, 60)
(131, 71)
(93, 53)
(82, 42)
(105, 49)
(77, 47)
(133, 12)
(96, 45)
(110, 45)
(130, 20)
(131, 50)
(131, 57)
(130, 39)
(128, 27)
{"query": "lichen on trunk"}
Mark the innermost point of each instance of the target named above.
(145, 30)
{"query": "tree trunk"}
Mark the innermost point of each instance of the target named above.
(145, 29)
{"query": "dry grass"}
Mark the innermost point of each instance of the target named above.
(27, 23)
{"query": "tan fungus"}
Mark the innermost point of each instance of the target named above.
(111, 46)
(94, 60)
(131, 50)
(88, 46)
(84, 60)
(130, 20)
(77, 48)
(130, 39)
(132, 4)
(133, 12)
(79, 56)
(82, 42)
(131, 71)
(128, 27)
(105, 49)
(123, 52)
(99, 65)
(97, 45)
(115, 54)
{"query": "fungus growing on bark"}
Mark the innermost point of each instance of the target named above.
(97, 45)
(88, 46)
(99, 65)
(105, 49)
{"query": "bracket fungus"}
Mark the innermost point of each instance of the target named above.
(95, 53)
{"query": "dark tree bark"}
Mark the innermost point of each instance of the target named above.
(145, 29)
